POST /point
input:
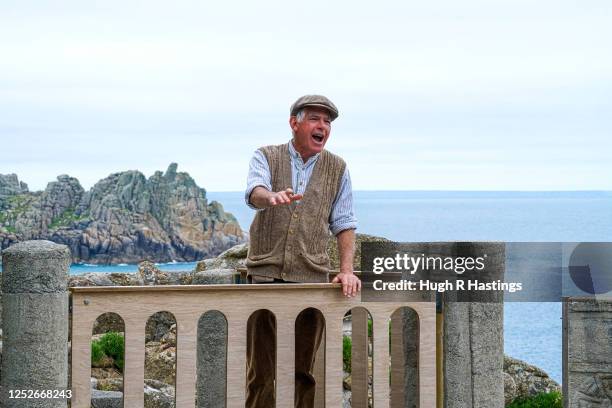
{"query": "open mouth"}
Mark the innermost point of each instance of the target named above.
(318, 137)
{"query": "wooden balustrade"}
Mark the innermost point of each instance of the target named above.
(187, 303)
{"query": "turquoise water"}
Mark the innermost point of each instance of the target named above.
(532, 331)
(76, 269)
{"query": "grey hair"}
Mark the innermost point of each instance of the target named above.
(299, 116)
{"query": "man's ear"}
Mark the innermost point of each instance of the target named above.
(293, 123)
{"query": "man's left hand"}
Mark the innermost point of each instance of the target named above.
(350, 283)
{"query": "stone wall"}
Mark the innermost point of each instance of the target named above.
(587, 353)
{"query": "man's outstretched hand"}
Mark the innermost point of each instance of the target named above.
(261, 197)
(283, 197)
(350, 283)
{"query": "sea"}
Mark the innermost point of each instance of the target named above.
(532, 331)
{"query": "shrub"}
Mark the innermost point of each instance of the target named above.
(550, 400)
(96, 352)
(346, 353)
(110, 344)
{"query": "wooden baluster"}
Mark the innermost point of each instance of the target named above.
(186, 359)
(285, 360)
(236, 360)
(397, 359)
(359, 358)
(133, 371)
(333, 360)
(427, 354)
(319, 375)
(82, 327)
(381, 358)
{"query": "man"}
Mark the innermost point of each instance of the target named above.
(301, 192)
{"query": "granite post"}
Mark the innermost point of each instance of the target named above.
(587, 352)
(473, 339)
(212, 356)
(35, 322)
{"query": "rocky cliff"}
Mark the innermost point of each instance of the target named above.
(123, 218)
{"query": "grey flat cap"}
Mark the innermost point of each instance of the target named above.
(315, 100)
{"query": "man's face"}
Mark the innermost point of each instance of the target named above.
(311, 134)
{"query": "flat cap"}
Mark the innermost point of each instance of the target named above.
(315, 100)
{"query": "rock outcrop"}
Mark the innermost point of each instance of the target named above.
(233, 258)
(10, 185)
(124, 218)
(522, 380)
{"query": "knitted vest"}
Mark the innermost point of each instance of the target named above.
(289, 242)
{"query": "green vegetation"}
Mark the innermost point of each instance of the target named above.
(346, 353)
(347, 347)
(4, 222)
(110, 345)
(8, 228)
(96, 352)
(64, 219)
(550, 400)
(14, 207)
(18, 201)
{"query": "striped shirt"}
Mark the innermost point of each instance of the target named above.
(342, 216)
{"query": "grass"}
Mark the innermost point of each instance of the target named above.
(65, 219)
(20, 205)
(18, 200)
(13, 208)
(550, 400)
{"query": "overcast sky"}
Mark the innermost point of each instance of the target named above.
(469, 95)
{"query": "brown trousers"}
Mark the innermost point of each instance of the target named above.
(261, 355)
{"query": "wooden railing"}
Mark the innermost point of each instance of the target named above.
(187, 303)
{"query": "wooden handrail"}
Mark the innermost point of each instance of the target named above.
(205, 288)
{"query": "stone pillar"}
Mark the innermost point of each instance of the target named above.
(212, 356)
(473, 339)
(587, 352)
(410, 349)
(35, 321)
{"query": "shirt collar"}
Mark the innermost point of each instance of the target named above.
(295, 155)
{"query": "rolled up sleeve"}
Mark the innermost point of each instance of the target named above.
(342, 216)
(259, 175)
